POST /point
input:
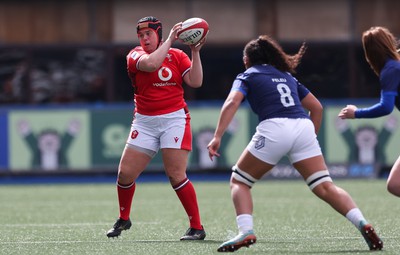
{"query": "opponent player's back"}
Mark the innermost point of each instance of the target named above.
(272, 93)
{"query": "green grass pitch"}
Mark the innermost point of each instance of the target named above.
(289, 219)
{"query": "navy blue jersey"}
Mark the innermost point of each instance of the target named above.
(271, 93)
(390, 79)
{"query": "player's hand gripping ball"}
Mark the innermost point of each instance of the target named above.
(193, 30)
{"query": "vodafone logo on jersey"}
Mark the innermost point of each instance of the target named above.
(164, 73)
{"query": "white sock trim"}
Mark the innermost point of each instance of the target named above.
(244, 223)
(355, 216)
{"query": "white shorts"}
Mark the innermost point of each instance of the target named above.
(170, 130)
(275, 138)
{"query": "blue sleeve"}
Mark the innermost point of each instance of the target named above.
(384, 107)
(239, 84)
(302, 90)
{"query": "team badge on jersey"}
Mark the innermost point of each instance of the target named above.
(169, 57)
(260, 143)
(134, 134)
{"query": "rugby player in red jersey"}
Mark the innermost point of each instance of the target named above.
(161, 120)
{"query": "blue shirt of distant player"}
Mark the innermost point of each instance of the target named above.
(390, 80)
(271, 93)
(390, 88)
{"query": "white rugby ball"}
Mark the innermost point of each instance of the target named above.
(193, 30)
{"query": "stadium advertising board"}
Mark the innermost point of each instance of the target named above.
(92, 138)
(363, 146)
(110, 129)
(48, 140)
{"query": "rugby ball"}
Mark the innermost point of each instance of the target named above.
(193, 30)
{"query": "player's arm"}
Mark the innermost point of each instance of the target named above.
(194, 78)
(313, 105)
(228, 111)
(384, 107)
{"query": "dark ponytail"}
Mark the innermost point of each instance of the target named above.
(264, 50)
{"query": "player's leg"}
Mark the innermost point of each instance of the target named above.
(306, 156)
(317, 177)
(314, 171)
(176, 143)
(393, 182)
(175, 163)
(246, 173)
(264, 150)
(132, 164)
(309, 161)
(142, 145)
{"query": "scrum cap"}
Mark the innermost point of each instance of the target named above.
(150, 22)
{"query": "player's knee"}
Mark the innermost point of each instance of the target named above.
(318, 178)
(242, 177)
(125, 174)
(124, 177)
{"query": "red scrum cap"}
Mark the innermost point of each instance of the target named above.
(150, 22)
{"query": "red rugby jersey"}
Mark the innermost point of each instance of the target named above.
(158, 92)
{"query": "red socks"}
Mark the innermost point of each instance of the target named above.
(125, 196)
(187, 196)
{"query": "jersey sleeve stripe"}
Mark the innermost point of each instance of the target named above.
(184, 73)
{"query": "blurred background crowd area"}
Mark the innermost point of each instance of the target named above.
(74, 51)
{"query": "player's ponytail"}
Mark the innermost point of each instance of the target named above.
(264, 50)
